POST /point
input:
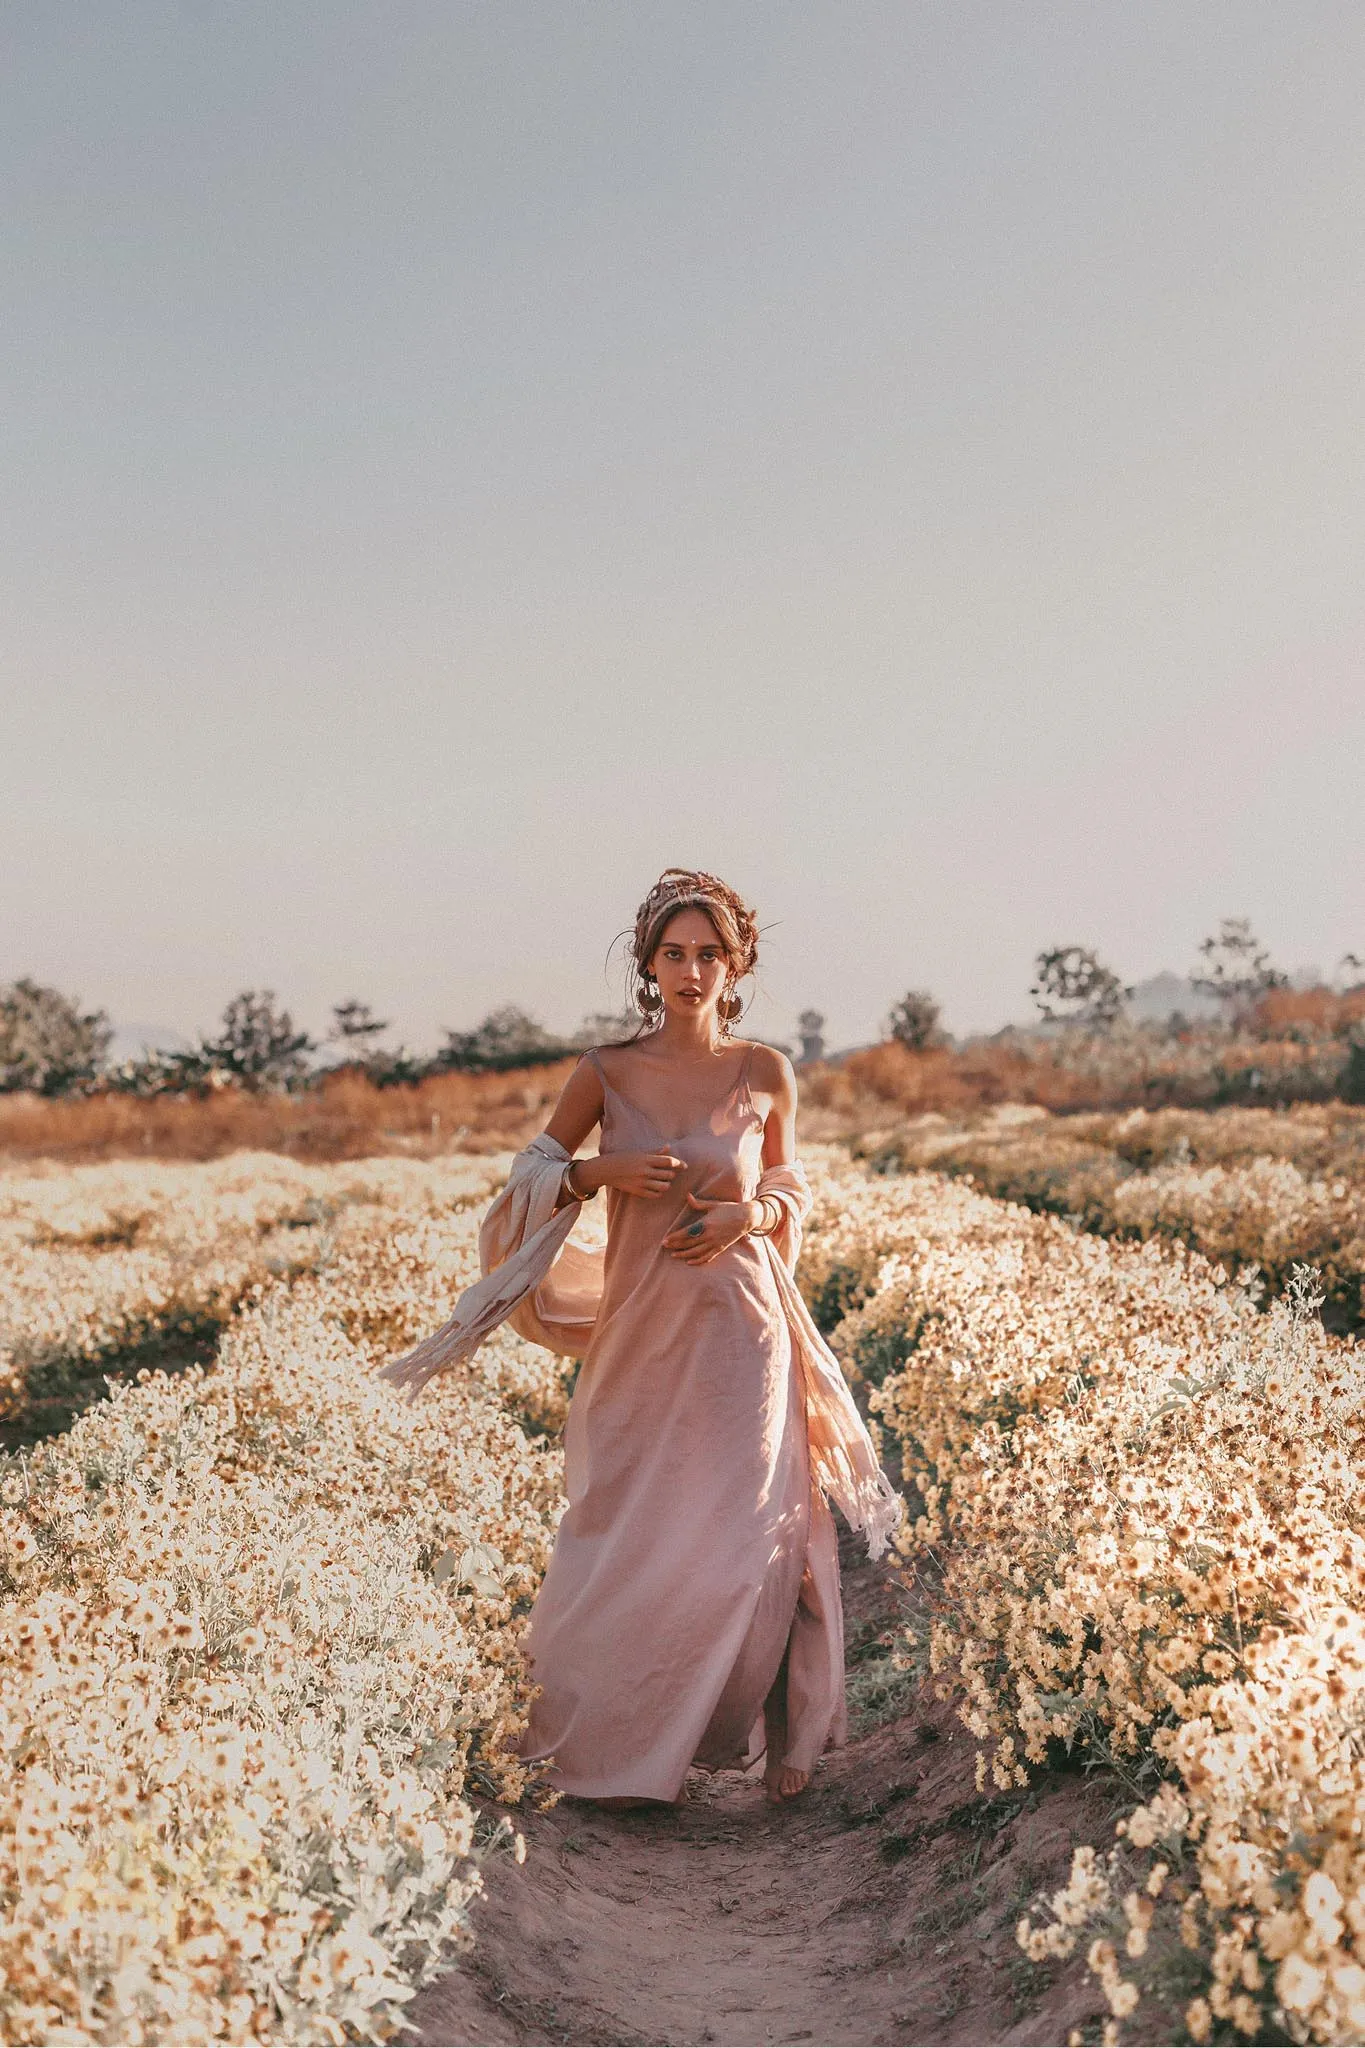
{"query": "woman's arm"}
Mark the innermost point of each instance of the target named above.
(772, 1076)
(578, 1109)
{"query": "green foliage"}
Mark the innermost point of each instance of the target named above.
(832, 1293)
(1353, 1074)
(1072, 985)
(258, 1046)
(355, 1024)
(46, 1042)
(355, 1028)
(508, 1037)
(810, 1027)
(882, 1686)
(914, 1022)
(1237, 967)
(607, 1027)
(400, 1069)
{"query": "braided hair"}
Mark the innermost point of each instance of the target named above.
(735, 926)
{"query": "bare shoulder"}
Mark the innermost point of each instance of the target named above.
(579, 1107)
(771, 1072)
(612, 1060)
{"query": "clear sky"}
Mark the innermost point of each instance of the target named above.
(457, 459)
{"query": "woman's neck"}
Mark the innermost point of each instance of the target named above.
(690, 1038)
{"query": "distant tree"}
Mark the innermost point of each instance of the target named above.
(810, 1026)
(607, 1027)
(355, 1025)
(1072, 985)
(355, 1028)
(1352, 1083)
(506, 1038)
(913, 1022)
(1351, 975)
(157, 1072)
(258, 1045)
(398, 1069)
(47, 1042)
(1237, 968)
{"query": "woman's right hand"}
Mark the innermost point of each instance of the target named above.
(637, 1173)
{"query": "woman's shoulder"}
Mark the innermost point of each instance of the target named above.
(770, 1069)
(609, 1058)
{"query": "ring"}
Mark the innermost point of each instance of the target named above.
(693, 1230)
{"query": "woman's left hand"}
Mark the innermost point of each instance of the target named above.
(719, 1225)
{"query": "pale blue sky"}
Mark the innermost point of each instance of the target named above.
(458, 459)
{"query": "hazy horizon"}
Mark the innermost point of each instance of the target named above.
(461, 461)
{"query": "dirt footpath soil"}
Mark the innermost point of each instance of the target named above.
(880, 1907)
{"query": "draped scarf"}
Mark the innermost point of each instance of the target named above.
(549, 1291)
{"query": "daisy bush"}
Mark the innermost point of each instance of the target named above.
(1273, 1188)
(260, 1624)
(1144, 1495)
(259, 1646)
(98, 1260)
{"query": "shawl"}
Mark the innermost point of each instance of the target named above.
(549, 1291)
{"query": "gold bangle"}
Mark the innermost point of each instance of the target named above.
(566, 1183)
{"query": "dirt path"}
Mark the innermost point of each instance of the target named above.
(879, 1908)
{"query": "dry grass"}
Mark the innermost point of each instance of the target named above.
(345, 1117)
(1294, 1051)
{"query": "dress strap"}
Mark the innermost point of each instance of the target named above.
(591, 1054)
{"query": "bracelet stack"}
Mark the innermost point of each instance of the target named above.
(566, 1182)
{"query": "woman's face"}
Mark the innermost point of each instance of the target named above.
(690, 964)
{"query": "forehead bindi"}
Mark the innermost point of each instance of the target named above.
(692, 930)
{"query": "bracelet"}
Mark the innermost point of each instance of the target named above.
(566, 1182)
(770, 1218)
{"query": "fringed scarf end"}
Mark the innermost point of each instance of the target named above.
(437, 1353)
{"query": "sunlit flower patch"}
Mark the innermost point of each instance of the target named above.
(1145, 1495)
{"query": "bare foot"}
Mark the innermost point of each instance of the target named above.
(782, 1783)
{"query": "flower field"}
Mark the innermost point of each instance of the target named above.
(96, 1261)
(259, 1624)
(1144, 1495)
(1270, 1188)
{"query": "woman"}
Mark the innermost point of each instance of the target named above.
(691, 1610)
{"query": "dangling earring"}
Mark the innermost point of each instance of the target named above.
(648, 1001)
(730, 1008)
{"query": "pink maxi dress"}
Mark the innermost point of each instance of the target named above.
(694, 1554)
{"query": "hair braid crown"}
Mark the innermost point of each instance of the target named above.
(694, 889)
